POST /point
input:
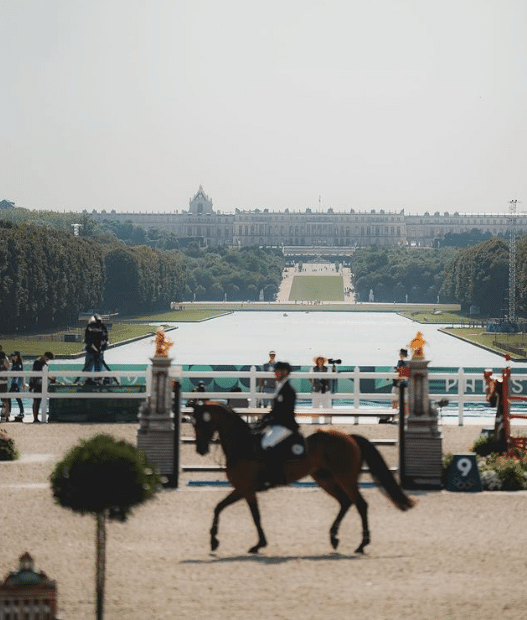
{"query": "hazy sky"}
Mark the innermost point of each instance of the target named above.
(132, 104)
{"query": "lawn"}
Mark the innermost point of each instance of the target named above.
(514, 344)
(30, 346)
(317, 288)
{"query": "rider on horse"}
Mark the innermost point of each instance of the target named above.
(281, 424)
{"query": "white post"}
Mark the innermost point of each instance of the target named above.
(252, 387)
(356, 391)
(148, 381)
(461, 394)
(44, 403)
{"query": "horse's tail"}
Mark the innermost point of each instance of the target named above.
(382, 475)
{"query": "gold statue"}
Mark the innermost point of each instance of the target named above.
(163, 343)
(417, 345)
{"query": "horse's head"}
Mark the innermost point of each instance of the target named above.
(494, 387)
(203, 427)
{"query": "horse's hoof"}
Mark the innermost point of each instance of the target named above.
(360, 549)
(334, 542)
(259, 545)
(214, 544)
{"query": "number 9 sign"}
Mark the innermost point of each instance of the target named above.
(463, 474)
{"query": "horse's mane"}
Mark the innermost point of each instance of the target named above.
(241, 439)
(240, 426)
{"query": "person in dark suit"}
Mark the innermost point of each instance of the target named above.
(280, 422)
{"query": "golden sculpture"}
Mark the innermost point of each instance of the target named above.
(417, 345)
(163, 343)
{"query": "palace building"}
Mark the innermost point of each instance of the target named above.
(345, 228)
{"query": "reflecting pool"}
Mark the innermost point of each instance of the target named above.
(357, 338)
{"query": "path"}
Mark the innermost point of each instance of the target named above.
(315, 269)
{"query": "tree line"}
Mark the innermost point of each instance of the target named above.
(48, 275)
(479, 276)
(475, 276)
(400, 274)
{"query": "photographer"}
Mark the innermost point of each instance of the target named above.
(95, 343)
(320, 387)
(334, 368)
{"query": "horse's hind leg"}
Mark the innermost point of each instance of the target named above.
(330, 486)
(255, 511)
(362, 507)
(352, 490)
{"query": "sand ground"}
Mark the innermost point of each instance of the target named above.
(454, 556)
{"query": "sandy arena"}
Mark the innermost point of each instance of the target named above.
(454, 556)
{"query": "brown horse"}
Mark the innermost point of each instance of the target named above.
(332, 458)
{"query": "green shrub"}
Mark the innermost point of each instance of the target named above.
(106, 478)
(104, 475)
(510, 471)
(446, 462)
(8, 451)
(486, 444)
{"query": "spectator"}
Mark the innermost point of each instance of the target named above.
(268, 385)
(35, 383)
(320, 387)
(17, 384)
(401, 370)
(4, 366)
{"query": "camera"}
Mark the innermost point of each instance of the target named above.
(334, 361)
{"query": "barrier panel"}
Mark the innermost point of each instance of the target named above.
(361, 392)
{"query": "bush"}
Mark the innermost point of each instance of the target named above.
(8, 451)
(510, 472)
(447, 461)
(486, 444)
(490, 481)
(104, 475)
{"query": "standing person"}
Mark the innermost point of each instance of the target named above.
(268, 385)
(320, 387)
(401, 369)
(4, 366)
(95, 343)
(35, 383)
(281, 423)
(17, 383)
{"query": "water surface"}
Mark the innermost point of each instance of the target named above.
(358, 338)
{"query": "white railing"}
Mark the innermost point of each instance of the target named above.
(460, 387)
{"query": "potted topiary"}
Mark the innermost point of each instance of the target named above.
(107, 478)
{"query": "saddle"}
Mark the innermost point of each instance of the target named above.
(292, 448)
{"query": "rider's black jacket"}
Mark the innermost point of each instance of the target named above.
(283, 409)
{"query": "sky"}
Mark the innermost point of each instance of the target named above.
(131, 105)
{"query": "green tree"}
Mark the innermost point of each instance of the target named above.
(106, 478)
(478, 275)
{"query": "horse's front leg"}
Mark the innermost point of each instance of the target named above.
(230, 499)
(255, 511)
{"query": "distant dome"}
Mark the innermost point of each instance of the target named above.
(201, 204)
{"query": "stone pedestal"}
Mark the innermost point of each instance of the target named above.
(422, 437)
(155, 435)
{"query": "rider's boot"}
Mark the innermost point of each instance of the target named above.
(274, 472)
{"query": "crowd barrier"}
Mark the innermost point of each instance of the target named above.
(460, 388)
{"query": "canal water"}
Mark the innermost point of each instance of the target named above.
(362, 339)
(357, 338)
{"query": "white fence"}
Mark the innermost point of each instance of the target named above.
(459, 388)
